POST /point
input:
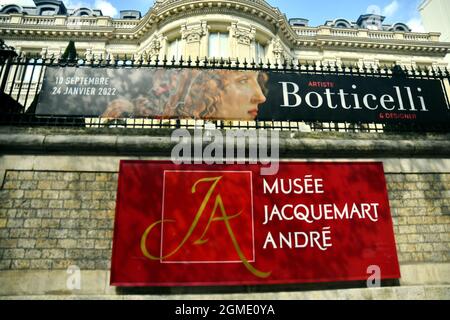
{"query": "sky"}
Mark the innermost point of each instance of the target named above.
(317, 11)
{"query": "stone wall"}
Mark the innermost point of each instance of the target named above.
(51, 220)
(57, 204)
(420, 207)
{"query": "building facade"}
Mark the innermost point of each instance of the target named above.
(253, 30)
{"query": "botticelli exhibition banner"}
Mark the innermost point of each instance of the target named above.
(194, 225)
(240, 95)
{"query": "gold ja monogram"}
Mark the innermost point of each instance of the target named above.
(221, 217)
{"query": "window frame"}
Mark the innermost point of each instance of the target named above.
(223, 39)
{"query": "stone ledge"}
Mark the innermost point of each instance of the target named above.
(110, 163)
(165, 132)
(386, 293)
(419, 281)
(290, 146)
(425, 273)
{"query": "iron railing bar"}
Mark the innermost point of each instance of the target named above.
(40, 81)
(29, 86)
(14, 79)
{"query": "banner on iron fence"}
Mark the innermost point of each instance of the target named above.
(191, 225)
(240, 95)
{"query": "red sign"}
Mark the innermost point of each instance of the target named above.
(191, 225)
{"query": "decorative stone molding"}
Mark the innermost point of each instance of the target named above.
(278, 50)
(89, 55)
(193, 32)
(44, 52)
(244, 34)
(155, 47)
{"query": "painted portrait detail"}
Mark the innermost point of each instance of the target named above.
(193, 94)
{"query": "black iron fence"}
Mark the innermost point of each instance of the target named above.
(21, 79)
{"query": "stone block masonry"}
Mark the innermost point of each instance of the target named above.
(420, 207)
(51, 220)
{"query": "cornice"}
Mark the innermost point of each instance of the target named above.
(224, 11)
(158, 142)
(319, 42)
(386, 46)
(46, 33)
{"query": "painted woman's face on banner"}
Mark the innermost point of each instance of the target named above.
(241, 97)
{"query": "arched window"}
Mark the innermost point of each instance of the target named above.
(10, 9)
(400, 27)
(82, 12)
(13, 10)
(48, 12)
(341, 23)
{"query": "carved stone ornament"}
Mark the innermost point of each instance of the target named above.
(88, 55)
(154, 48)
(244, 34)
(193, 32)
(278, 51)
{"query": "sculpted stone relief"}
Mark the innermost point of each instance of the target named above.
(278, 50)
(193, 32)
(244, 34)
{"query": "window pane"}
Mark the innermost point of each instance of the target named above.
(218, 45)
(260, 52)
(32, 72)
(213, 45)
(223, 45)
(174, 50)
(47, 12)
(170, 50)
